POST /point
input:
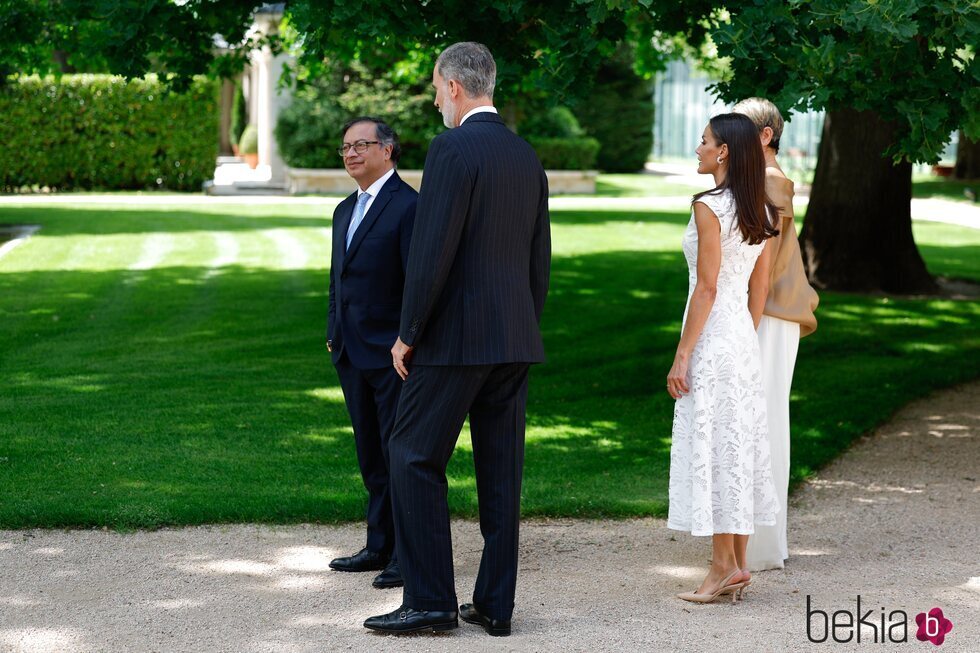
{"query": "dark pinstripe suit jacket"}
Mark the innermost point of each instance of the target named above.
(480, 258)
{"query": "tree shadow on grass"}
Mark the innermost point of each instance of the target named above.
(598, 216)
(69, 221)
(83, 220)
(954, 261)
(870, 356)
(139, 399)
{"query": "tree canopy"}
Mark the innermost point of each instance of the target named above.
(911, 62)
(547, 48)
(125, 37)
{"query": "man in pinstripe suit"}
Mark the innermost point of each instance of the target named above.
(475, 288)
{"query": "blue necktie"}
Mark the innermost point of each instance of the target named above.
(355, 220)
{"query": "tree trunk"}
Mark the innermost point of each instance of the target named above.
(967, 158)
(61, 58)
(857, 235)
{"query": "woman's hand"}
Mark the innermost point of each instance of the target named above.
(677, 377)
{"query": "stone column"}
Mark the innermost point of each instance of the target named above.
(269, 101)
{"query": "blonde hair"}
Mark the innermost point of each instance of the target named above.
(764, 114)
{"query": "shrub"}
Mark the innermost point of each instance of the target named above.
(619, 113)
(556, 122)
(307, 131)
(566, 153)
(559, 140)
(249, 142)
(104, 132)
(238, 120)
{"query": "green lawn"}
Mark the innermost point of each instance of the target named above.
(947, 188)
(166, 365)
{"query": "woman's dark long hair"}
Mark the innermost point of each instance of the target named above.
(746, 176)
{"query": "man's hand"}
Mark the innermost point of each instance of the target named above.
(400, 355)
(329, 348)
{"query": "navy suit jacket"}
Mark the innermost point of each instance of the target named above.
(366, 280)
(480, 258)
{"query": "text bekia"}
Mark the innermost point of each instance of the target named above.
(845, 626)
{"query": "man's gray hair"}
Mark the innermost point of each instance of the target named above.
(470, 64)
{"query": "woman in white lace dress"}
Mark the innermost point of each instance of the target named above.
(720, 473)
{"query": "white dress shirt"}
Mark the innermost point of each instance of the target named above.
(485, 107)
(374, 189)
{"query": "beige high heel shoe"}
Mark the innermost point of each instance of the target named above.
(740, 589)
(726, 587)
(744, 584)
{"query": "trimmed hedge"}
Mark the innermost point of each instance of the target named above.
(566, 153)
(103, 132)
(559, 140)
(556, 122)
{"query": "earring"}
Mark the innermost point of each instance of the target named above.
(720, 160)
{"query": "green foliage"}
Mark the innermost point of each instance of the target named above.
(127, 37)
(239, 119)
(547, 50)
(566, 153)
(619, 114)
(249, 142)
(559, 140)
(308, 131)
(912, 62)
(21, 48)
(557, 122)
(102, 132)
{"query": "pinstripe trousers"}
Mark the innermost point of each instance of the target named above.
(434, 403)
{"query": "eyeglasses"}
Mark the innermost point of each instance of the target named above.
(358, 146)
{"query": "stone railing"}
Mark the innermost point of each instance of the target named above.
(300, 181)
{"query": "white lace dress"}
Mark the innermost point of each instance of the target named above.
(720, 471)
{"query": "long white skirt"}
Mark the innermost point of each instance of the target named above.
(779, 341)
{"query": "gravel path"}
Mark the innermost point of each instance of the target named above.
(896, 520)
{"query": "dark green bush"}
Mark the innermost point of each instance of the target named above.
(619, 113)
(559, 140)
(238, 120)
(103, 132)
(556, 122)
(308, 130)
(566, 153)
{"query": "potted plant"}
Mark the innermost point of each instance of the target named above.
(248, 146)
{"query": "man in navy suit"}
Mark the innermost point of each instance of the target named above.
(372, 230)
(474, 291)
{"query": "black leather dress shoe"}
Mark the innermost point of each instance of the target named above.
(407, 620)
(363, 560)
(390, 577)
(495, 627)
